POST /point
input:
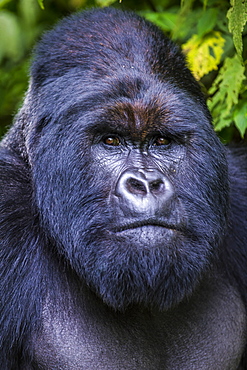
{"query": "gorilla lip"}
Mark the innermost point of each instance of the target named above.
(140, 224)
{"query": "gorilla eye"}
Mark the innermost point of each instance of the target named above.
(112, 140)
(161, 141)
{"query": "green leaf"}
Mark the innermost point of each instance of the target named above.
(207, 21)
(186, 5)
(41, 4)
(4, 2)
(228, 82)
(237, 16)
(240, 117)
(225, 91)
(165, 20)
(204, 54)
(104, 3)
(10, 36)
(29, 12)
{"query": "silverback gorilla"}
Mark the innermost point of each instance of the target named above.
(123, 218)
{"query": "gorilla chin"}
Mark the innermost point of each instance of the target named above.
(150, 265)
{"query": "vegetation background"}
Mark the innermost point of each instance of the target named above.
(212, 34)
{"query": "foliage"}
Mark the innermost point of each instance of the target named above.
(204, 53)
(41, 4)
(210, 32)
(237, 16)
(104, 2)
(226, 89)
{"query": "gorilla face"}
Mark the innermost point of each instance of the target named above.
(130, 181)
(135, 192)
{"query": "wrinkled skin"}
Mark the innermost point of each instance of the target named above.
(121, 246)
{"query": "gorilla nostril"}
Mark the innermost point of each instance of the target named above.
(136, 186)
(156, 186)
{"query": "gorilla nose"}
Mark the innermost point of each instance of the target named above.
(141, 184)
(143, 190)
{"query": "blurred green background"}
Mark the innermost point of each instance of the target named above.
(212, 34)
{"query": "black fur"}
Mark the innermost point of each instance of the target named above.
(99, 74)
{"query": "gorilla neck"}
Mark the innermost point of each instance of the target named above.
(207, 328)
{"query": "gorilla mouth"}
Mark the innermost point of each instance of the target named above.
(146, 223)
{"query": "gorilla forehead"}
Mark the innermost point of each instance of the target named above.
(132, 101)
(81, 36)
(126, 42)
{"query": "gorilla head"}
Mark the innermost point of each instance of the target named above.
(129, 178)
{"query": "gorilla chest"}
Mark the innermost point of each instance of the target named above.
(203, 333)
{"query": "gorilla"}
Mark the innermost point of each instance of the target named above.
(123, 222)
